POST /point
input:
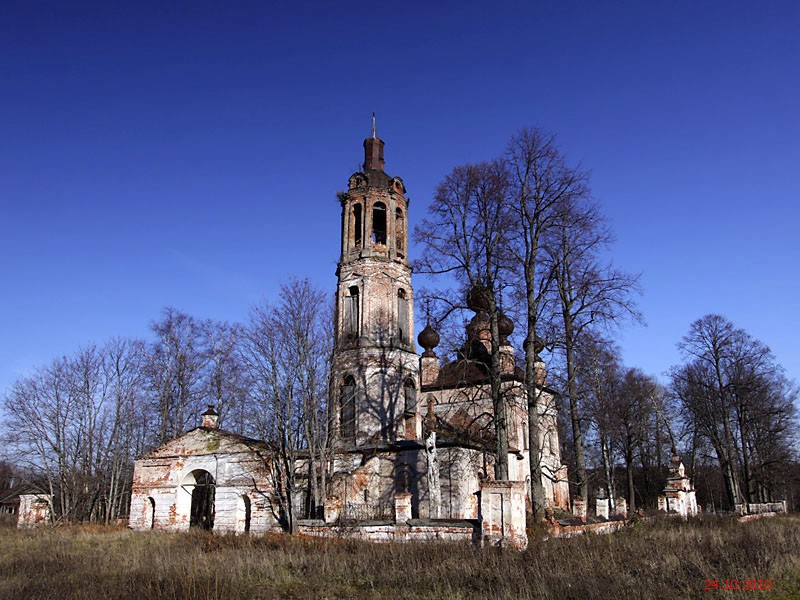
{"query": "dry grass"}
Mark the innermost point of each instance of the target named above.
(651, 560)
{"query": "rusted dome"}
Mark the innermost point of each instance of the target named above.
(477, 298)
(428, 338)
(538, 344)
(505, 326)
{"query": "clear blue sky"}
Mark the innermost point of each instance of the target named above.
(188, 153)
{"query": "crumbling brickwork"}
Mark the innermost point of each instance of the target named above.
(165, 484)
(34, 510)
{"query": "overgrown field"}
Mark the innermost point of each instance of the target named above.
(649, 560)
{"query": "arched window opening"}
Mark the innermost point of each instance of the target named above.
(430, 415)
(348, 409)
(410, 397)
(247, 512)
(202, 511)
(152, 514)
(357, 227)
(402, 316)
(410, 410)
(399, 232)
(351, 317)
(379, 223)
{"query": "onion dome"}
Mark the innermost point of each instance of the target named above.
(428, 339)
(505, 326)
(538, 344)
(477, 299)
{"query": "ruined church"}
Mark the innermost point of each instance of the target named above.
(413, 435)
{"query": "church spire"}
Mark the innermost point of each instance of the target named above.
(373, 151)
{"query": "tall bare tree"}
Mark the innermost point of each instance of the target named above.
(588, 294)
(599, 375)
(286, 351)
(75, 427)
(735, 396)
(176, 365)
(542, 186)
(467, 235)
(224, 376)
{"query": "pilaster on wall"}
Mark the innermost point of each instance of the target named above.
(429, 369)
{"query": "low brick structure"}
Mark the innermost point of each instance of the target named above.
(502, 514)
(34, 510)
(208, 478)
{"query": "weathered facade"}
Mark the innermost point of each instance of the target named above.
(207, 478)
(391, 402)
(412, 437)
(34, 510)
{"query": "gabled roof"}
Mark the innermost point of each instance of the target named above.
(12, 496)
(204, 440)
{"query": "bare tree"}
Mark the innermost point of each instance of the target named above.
(632, 409)
(541, 186)
(123, 369)
(75, 427)
(176, 365)
(467, 235)
(599, 375)
(588, 293)
(286, 351)
(736, 397)
(225, 380)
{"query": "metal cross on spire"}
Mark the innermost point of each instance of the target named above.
(374, 133)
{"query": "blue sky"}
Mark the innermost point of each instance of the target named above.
(188, 153)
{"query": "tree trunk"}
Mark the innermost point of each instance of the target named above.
(629, 474)
(538, 498)
(500, 417)
(608, 470)
(577, 434)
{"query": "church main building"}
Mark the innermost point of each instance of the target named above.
(413, 438)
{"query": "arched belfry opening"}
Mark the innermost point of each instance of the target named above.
(410, 409)
(402, 316)
(410, 396)
(357, 226)
(399, 233)
(347, 409)
(203, 490)
(351, 314)
(379, 224)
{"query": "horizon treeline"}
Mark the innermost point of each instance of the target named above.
(74, 427)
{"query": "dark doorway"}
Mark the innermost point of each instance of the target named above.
(246, 513)
(152, 512)
(202, 514)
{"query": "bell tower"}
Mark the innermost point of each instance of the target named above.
(375, 371)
